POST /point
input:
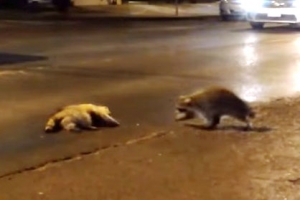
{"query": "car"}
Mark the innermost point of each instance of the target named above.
(231, 8)
(35, 5)
(259, 12)
(60, 5)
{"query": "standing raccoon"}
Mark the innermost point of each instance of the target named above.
(212, 103)
(80, 116)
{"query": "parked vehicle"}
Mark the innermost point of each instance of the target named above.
(13, 4)
(60, 5)
(231, 8)
(259, 12)
(36, 5)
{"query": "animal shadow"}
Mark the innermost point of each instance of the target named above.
(230, 127)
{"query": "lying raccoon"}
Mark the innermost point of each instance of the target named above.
(212, 103)
(80, 116)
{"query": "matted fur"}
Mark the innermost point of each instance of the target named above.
(211, 104)
(80, 116)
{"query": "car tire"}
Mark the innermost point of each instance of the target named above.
(257, 25)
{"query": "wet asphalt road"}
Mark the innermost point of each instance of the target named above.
(137, 68)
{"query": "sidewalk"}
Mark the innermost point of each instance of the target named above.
(181, 163)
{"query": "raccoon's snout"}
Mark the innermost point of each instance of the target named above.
(48, 130)
(51, 129)
(183, 114)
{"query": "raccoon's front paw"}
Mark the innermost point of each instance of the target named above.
(248, 127)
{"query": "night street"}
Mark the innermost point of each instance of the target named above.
(135, 67)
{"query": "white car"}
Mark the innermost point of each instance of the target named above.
(259, 12)
(231, 8)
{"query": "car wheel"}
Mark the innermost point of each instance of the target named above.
(257, 25)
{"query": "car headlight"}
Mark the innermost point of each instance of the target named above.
(252, 5)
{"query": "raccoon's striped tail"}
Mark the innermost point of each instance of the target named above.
(50, 125)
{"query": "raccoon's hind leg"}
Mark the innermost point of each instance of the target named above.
(212, 121)
(87, 122)
(69, 125)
